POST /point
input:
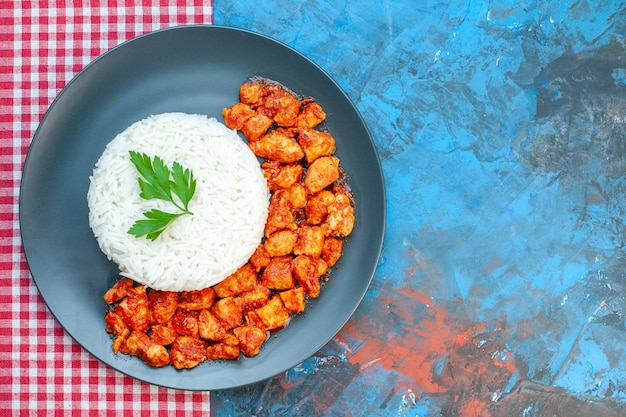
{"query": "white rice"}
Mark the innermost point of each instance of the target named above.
(229, 206)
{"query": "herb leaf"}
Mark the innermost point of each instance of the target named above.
(156, 222)
(156, 181)
(183, 184)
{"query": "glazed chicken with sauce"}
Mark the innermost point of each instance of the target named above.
(310, 213)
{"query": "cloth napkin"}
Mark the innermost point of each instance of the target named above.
(43, 45)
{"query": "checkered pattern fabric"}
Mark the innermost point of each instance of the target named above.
(44, 44)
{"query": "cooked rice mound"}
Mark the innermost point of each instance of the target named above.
(229, 206)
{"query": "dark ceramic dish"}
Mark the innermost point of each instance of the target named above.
(192, 69)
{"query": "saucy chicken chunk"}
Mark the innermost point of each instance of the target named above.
(331, 250)
(134, 311)
(228, 312)
(162, 334)
(340, 218)
(209, 326)
(316, 208)
(185, 323)
(311, 115)
(187, 352)
(280, 175)
(310, 241)
(277, 275)
(219, 351)
(197, 300)
(244, 279)
(139, 344)
(295, 194)
(281, 243)
(321, 173)
(315, 144)
(162, 305)
(252, 93)
(260, 258)
(282, 106)
(272, 315)
(250, 339)
(293, 299)
(119, 290)
(277, 146)
(308, 271)
(237, 115)
(256, 126)
(280, 216)
(115, 325)
(254, 298)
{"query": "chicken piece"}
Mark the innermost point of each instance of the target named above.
(255, 298)
(281, 243)
(321, 173)
(219, 351)
(230, 339)
(162, 305)
(316, 144)
(156, 355)
(310, 241)
(293, 299)
(289, 175)
(278, 275)
(295, 194)
(278, 146)
(310, 115)
(250, 339)
(340, 218)
(137, 290)
(229, 312)
(237, 115)
(244, 279)
(280, 176)
(260, 258)
(120, 339)
(256, 126)
(316, 208)
(135, 344)
(139, 344)
(114, 324)
(307, 271)
(134, 311)
(209, 326)
(252, 93)
(280, 215)
(119, 290)
(270, 170)
(331, 252)
(187, 352)
(272, 315)
(185, 323)
(281, 105)
(162, 334)
(252, 318)
(197, 300)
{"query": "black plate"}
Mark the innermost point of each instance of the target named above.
(192, 69)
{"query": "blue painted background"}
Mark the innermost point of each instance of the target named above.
(501, 127)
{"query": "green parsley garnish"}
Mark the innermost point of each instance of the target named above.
(156, 180)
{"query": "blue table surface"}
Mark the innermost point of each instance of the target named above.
(501, 129)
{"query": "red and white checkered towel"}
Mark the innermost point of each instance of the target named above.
(43, 45)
